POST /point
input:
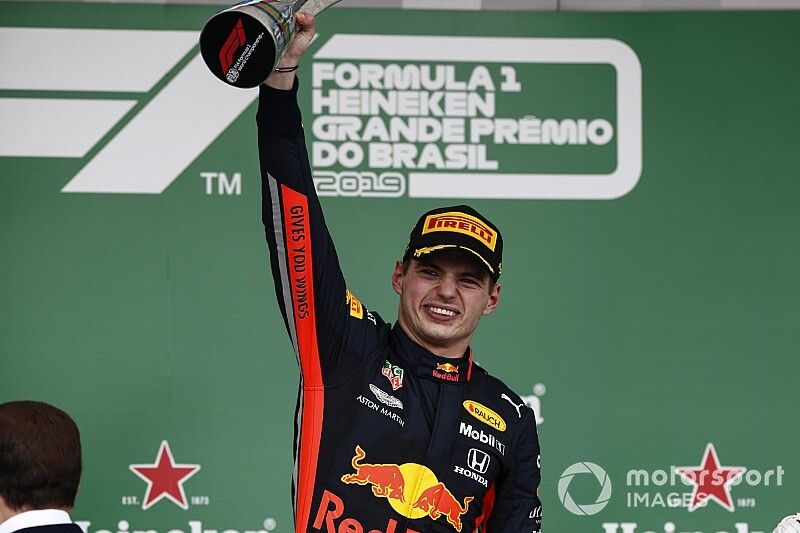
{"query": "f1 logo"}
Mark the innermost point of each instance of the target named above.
(235, 40)
(478, 460)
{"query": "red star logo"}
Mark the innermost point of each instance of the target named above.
(711, 480)
(164, 478)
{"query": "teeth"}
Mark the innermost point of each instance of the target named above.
(440, 311)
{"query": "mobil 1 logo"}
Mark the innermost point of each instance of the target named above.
(479, 435)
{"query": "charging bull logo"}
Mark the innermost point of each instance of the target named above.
(437, 501)
(430, 498)
(447, 367)
(446, 371)
(386, 480)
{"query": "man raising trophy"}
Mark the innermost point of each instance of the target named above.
(397, 429)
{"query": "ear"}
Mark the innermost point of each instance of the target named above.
(397, 277)
(494, 300)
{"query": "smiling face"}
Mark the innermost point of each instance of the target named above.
(442, 298)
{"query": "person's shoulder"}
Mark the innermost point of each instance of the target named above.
(497, 398)
(52, 528)
(490, 381)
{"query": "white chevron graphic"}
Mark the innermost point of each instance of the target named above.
(155, 146)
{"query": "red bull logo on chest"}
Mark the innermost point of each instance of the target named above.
(410, 488)
(446, 371)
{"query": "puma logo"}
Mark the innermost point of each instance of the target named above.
(505, 397)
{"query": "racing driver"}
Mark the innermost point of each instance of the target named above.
(397, 429)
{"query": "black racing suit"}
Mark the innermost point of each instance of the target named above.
(388, 436)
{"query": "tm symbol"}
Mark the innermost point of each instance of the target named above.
(225, 186)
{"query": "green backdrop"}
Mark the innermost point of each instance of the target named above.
(650, 305)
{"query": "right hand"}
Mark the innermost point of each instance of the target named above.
(297, 47)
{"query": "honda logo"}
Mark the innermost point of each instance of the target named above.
(478, 460)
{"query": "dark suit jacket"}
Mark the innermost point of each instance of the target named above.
(54, 528)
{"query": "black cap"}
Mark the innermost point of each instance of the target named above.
(459, 227)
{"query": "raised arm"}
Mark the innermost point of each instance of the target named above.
(320, 315)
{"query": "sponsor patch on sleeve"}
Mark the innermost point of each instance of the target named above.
(356, 309)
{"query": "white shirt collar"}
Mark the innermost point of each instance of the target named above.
(38, 517)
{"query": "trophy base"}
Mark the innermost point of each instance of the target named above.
(240, 45)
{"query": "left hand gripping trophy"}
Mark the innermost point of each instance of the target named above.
(244, 43)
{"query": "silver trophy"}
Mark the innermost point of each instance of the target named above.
(242, 44)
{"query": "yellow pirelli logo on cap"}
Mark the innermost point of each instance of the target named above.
(461, 223)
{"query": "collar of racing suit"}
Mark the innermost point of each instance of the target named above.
(429, 365)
